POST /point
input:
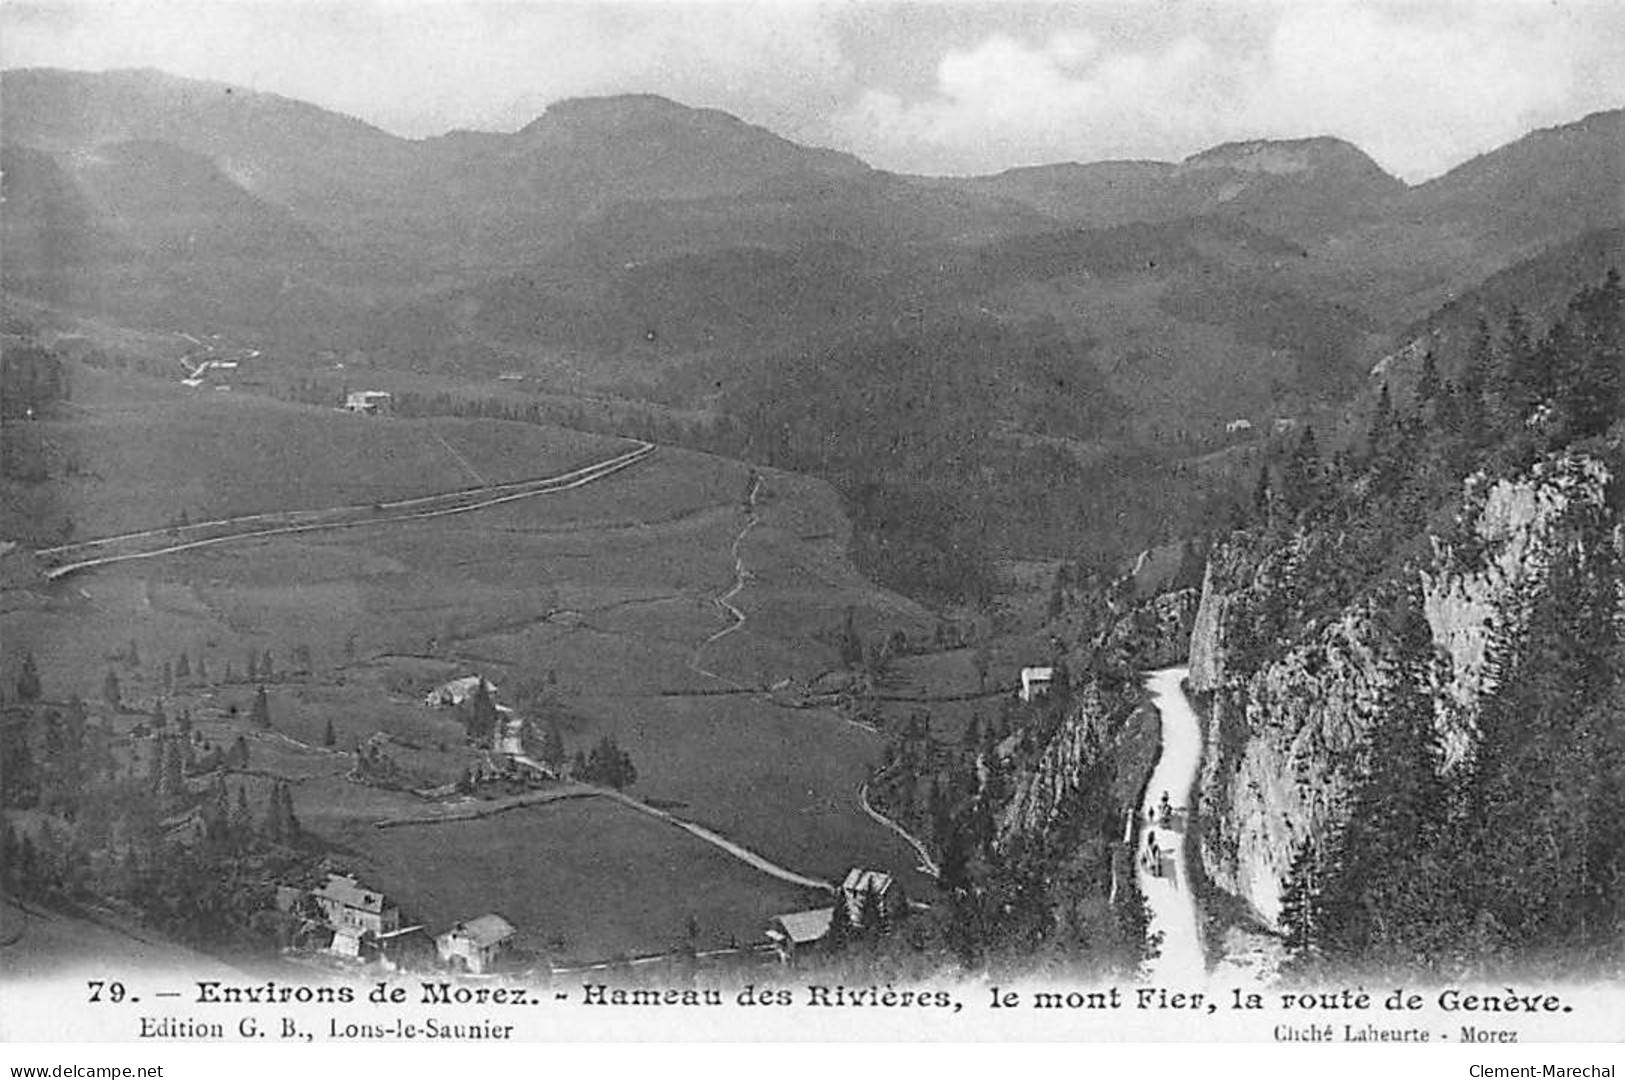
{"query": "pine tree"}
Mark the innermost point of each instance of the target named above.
(8, 856)
(553, 744)
(971, 741)
(19, 777)
(851, 641)
(1535, 831)
(111, 692)
(155, 767)
(291, 820)
(1057, 597)
(876, 919)
(1475, 384)
(484, 721)
(275, 827)
(28, 680)
(253, 668)
(840, 923)
(1427, 383)
(183, 667)
(260, 714)
(1300, 479)
(170, 770)
(1509, 391)
(242, 821)
(217, 816)
(1391, 892)
(1593, 385)
(628, 773)
(1303, 910)
(328, 737)
(1379, 437)
(281, 824)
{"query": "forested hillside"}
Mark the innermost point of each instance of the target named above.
(1412, 651)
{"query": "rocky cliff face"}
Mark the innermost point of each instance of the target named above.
(1068, 757)
(1159, 632)
(1471, 586)
(1292, 693)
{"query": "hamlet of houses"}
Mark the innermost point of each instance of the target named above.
(365, 925)
(864, 892)
(347, 919)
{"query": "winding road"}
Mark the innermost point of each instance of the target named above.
(725, 600)
(927, 866)
(1163, 880)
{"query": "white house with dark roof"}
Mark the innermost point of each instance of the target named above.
(477, 944)
(457, 691)
(348, 906)
(1035, 681)
(798, 931)
(859, 882)
(369, 402)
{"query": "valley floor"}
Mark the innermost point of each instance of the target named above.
(620, 605)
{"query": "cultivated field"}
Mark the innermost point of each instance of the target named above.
(143, 455)
(607, 594)
(586, 879)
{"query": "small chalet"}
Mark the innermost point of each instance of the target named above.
(799, 931)
(458, 691)
(371, 402)
(1035, 681)
(347, 905)
(860, 882)
(478, 944)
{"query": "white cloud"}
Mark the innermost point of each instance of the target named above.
(1418, 86)
(419, 67)
(948, 86)
(1005, 102)
(1418, 93)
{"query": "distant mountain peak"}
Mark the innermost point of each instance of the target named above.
(648, 130)
(1285, 156)
(623, 110)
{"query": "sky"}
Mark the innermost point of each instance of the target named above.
(947, 87)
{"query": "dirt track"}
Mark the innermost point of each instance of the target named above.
(139, 545)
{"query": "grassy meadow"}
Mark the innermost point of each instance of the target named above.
(607, 591)
(140, 460)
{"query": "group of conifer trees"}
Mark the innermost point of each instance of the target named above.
(1513, 855)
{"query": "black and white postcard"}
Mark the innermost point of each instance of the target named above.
(1093, 521)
